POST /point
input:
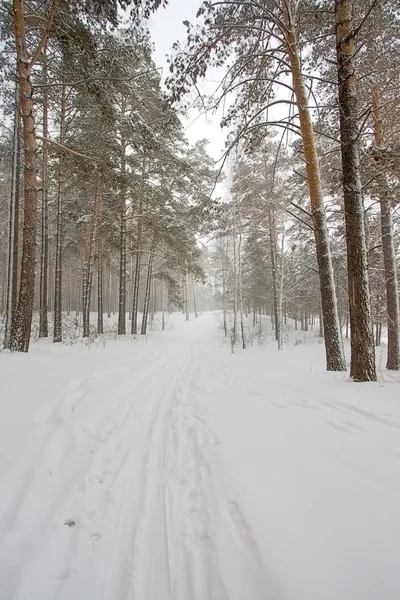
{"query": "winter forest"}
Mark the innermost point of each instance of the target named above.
(199, 303)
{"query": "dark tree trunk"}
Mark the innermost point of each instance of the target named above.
(57, 334)
(335, 359)
(362, 366)
(109, 300)
(136, 280)
(122, 248)
(148, 288)
(389, 256)
(273, 253)
(194, 299)
(44, 252)
(13, 231)
(100, 325)
(88, 275)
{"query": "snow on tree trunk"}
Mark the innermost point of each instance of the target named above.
(389, 257)
(335, 360)
(362, 366)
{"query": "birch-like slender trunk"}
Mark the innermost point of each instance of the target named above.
(362, 366)
(57, 332)
(13, 227)
(335, 359)
(44, 250)
(147, 294)
(389, 256)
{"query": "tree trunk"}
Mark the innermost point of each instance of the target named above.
(122, 248)
(87, 287)
(186, 283)
(389, 256)
(57, 335)
(136, 281)
(13, 232)
(148, 287)
(21, 325)
(100, 324)
(196, 314)
(273, 254)
(109, 302)
(335, 360)
(44, 252)
(362, 366)
(162, 305)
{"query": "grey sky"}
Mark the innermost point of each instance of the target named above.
(166, 28)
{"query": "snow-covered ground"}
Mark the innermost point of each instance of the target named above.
(170, 469)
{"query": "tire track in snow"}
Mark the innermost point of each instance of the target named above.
(76, 495)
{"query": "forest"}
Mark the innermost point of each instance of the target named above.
(199, 303)
(106, 206)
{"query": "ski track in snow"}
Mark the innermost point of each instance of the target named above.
(125, 491)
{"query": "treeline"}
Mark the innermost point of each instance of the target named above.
(102, 196)
(324, 76)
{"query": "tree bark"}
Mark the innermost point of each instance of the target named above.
(148, 288)
(44, 252)
(57, 333)
(87, 286)
(196, 314)
(21, 325)
(389, 256)
(122, 248)
(273, 255)
(335, 360)
(186, 283)
(362, 366)
(100, 324)
(136, 281)
(13, 232)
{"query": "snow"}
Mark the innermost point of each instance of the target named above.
(168, 468)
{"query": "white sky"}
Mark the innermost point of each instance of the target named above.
(166, 28)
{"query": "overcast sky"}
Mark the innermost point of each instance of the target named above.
(166, 28)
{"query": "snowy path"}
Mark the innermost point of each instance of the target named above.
(173, 470)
